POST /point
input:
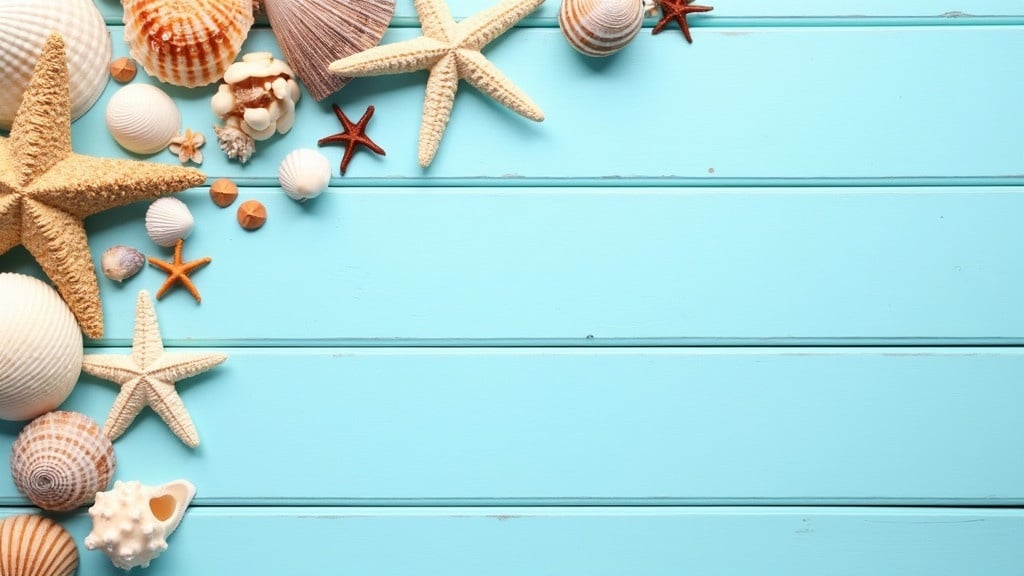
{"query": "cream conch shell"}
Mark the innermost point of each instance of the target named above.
(32, 545)
(132, 522)
(600, 27)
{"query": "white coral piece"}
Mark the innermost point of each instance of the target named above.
(234, 142)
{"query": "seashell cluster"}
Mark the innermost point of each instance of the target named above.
(186, 43)
(168, 220)
(257, 100)
(32, 545)
(24, 28)
(142, 118)
(40, 348)
(61, 460)
(122, 262)
(304, 173)
(131, 523)
(600, 27)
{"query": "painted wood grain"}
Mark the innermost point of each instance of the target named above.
(582, 426)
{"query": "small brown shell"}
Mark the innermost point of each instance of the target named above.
(61, 460)
(32, 545)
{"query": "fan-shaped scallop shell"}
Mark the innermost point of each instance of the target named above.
(40, 348)
(304, 174)
(31, 545)
(186, 42)
(61, 460)
(142, 118)
(600, 27)
(24, 27)
(168, 220)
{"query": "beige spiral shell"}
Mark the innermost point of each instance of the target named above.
(32, 545)
(61, 460)
(600, 27)
(186, 42)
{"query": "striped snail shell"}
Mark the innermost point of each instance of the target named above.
(32, 545)
(600, 27)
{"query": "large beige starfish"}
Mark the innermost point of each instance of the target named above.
(148, 375)
(452, 52)
(46, 190)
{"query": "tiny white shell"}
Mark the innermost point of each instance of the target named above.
(304, 174)
(142, 118)
(121, 262)
(168, 220)
(600, 27)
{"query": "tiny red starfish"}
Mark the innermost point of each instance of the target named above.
(677, 10)
(351, 136)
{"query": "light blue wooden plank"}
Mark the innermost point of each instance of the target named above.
(579, 426)
(598, 542)
(588, 266)
(797, 104)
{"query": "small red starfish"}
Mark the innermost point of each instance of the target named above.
(351, 136)
(677, 10)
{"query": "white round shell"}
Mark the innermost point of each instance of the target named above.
(600, 27)
(40, 348)
(142, 118)
(52, 553)
(121, 262)
(168, 220)
(24, 27)
(304, 174)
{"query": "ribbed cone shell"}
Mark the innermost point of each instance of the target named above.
(24, 27)
(314, 33)
(186, 42)
(32, 545)
(61, 460)
(600, 27)
(40, 348)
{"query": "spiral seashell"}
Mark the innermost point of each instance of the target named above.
(600, 27)
(186, 43)
(304, 174)
(168, 220)
(61, 460)
(32, 545)
(40, 348)
(121, 262)
(24, 27)
(142, 118)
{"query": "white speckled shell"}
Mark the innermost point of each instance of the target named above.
(167, 220)
(142, 118)
(40, 348)
(186, 43)
(150, 513)
(24, 27)
(600, 27)
(52, 553)
(61, 460)
(121, 262)
(304, 174)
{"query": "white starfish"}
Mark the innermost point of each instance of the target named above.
(452, 52)
(147, 377)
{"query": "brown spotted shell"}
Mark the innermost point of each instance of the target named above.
(186, 42)
(32, 545)
(61, 460)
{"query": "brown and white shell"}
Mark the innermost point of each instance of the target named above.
(600, 27)
(31, 545)
(61, 460)
(186, 42)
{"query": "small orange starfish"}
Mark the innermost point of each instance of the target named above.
(178, 271)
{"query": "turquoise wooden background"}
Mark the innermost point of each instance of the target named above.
(747, 306)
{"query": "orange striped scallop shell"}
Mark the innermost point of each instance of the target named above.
(32, 545)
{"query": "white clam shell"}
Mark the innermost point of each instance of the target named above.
(52, 553)
(143, 118)
(600, 27)
(40, 348)
(24, 27)
(168, 220)
(304, 173)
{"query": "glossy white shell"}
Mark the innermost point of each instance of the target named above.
(131, 523)
(52, 553)
(600, 27)
(40, 348)
(304, 174)
(143, 118)
(168, 220)
(61, 460)
(24, 27)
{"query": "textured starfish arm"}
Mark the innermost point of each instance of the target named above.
(166, 402)
(147, 346)
(486, 77)
(176, 366)
(129, 402)
(479, 29)
(437, 107)
(119, 369)
(408, 56)
(10, 221)
(435, 19)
